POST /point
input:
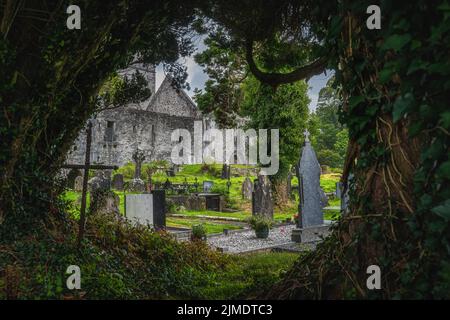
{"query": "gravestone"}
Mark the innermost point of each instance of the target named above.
(147, 208)
(213, 201)
(190, 202)
(78, 185)
(71, 176)
(247, 188)
(99, 182)
(138, 158)
(105, 202)
(338, 192)
(226, 171)
(170, 172)
(207, 186)
(167, 185)
(324, 169)
(323, 198)
(139, 208)
(137, 184)
(262, 202)
(310, 223)
(117, 182)
(159, 209)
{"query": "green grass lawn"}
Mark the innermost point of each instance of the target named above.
(249, 273)
(241, 215)
(211, 227)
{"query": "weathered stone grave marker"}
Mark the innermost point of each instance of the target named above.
(71, 176)
(78, 185)
(262, 202)
(117, 182)
(247, 188)
(310, 222)
(137, 184)
(99, 182)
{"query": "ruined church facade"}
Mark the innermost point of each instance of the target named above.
(147, 126)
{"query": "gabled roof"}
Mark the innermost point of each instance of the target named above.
(167, 85)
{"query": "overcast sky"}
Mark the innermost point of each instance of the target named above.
(196, 78)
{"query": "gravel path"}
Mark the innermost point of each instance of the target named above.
(237, 242)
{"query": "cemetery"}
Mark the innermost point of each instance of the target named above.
(191, 195)
(285, 150)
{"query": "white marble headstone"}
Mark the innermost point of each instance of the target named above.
(139, 208)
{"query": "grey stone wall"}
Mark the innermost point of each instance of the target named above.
(148, 131)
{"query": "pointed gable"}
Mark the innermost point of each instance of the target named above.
(172, 101)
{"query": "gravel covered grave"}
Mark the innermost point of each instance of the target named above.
(242, 241)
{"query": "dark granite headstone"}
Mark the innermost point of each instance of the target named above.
(117, 182)
(159, 209)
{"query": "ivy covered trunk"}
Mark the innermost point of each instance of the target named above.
(396, 90)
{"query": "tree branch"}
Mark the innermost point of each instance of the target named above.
(275, 79)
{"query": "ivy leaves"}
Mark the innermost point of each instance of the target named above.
(443, 210)
(396, 42)
(402, 105)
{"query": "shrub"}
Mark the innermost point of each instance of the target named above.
(259, 223)
(210, 169)
(118, 260)
(330, 158)
(198, 232)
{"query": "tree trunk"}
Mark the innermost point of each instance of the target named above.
(384, 226)
(281, 197)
